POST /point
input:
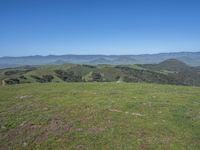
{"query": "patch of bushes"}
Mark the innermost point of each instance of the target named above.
(89, 66)
(97, 76)
(23, 77)
(135, 75)
(43, 79)
(11, 72)
(14, 72)
(68, 76)
(94, 77)
(48, 78)
(12, 81)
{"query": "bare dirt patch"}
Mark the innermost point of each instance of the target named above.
(35, 133)
(55, 127)
(24, 132)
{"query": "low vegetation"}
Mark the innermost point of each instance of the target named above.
(99, 116)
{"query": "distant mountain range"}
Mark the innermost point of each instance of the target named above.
(190, 58)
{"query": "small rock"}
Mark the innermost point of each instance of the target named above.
(3, 127)
(24, 97)
(45, 108)
(137, 114)
(79, 129)
(25, 144)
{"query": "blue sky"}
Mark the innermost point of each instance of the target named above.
(43, 27)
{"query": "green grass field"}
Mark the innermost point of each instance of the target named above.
(99, 116)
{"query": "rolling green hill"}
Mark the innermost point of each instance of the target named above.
(168, 72)
(107, 116)
(178, 70)
(173, 65)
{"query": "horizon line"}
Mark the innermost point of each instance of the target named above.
(103, 54)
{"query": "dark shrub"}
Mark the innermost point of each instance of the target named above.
(68, 76)
(43, 79)
(96, 76)
(47, 78)
(23, 77)
(12, 81)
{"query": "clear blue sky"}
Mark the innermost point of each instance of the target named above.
(31, 27)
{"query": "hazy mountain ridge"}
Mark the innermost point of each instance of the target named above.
(190, 58)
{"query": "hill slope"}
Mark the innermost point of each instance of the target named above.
(99, 116)
(169, 64)
(168, 72)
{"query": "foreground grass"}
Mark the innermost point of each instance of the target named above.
(99, 116)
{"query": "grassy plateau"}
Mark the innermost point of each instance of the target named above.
(92, 116)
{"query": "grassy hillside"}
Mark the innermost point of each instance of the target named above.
(168, 72)
(99, 116)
